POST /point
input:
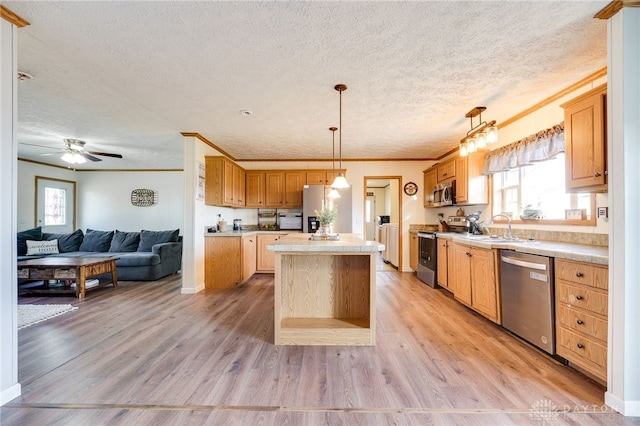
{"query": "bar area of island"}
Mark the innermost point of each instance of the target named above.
(325, 291)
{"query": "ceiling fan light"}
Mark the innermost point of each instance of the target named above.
(333, 193)
(68, 158)
(481, 140)
(340, 182)
(79, 159)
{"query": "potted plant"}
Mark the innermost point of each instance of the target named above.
(326, 217)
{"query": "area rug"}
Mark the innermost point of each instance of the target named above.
(33, 314)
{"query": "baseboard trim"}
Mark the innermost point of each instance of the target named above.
(626, 408)
(10, 393)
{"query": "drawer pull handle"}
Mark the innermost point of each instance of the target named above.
(579, 297)
(596, 174)
(579, 275)
(580, 346)
(468, 254)
(580, 322)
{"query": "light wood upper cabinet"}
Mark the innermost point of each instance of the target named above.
(293, 184)
(321, 177)
(224, 182)
(472, 276)
(442, 263)
(585, 139)
(274, 189)
(430, 180)
(446, 171)
(582, 315)
(255, 189)
(266, 258)
(249, 246)
(413, 251)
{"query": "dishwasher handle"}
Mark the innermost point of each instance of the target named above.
(523, 263)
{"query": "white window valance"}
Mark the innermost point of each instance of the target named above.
(541, 146)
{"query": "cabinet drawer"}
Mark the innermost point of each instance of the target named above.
(583, 323)
(581, 297)
(586, 353)
(582, 273)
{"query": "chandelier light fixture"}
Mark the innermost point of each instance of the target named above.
(479, 136)
(340, 181)
(73, 157)
(334, 192)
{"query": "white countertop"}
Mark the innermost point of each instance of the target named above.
(347, 243)
(249, 233)
(579, 252)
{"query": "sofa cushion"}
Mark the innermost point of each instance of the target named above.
(96, 241)
(34, 234)
(138, 259)
(125, 241)
(41, 247)
(66, 242)
(149, 238)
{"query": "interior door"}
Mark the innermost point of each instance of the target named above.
(55, 205)
(370, 217)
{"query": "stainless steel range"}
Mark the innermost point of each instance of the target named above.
(427, 258)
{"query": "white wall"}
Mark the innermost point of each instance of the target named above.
(9, 386)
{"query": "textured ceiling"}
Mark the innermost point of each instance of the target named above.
(130, 76)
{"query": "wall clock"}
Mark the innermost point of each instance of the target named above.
(410, 188)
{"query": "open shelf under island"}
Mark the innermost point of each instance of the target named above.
(325, 291)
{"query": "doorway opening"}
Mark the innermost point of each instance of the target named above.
(55, 205)
(383, 216)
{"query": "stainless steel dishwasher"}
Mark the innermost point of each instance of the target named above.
(527, 290)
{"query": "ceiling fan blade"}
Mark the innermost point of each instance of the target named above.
(39, 146)
(105, 154)
(89, 157)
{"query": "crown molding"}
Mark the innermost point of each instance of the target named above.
(9, 16)
(614, 7)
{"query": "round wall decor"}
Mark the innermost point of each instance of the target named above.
(144, 197)
(410, 188)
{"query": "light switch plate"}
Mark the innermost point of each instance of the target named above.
(603, 212)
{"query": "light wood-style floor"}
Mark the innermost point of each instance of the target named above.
(145, 354)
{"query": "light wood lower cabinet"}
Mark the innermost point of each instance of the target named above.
(581, 315)
(222, 265)
(413, 251)
(442, 263)
(266, 258)
(249, 246)
(472, 276)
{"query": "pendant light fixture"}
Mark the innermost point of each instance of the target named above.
(334, 192)
(340, 181)
(479, 136)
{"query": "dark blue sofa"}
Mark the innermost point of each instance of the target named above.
(143, 256)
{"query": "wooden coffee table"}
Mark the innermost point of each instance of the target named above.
(66, 268)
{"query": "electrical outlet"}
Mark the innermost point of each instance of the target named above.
(603, 212)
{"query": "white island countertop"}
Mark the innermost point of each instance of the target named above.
(303, 243)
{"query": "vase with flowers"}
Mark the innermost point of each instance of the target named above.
(326, 217)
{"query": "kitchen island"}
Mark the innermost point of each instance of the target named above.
(325, 291)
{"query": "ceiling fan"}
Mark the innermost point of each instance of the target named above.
(75, 153)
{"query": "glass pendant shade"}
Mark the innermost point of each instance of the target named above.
(333, 193)
(73, 158)
(340, 182)
(481, 140)
(471, 145)
(463, 149)
(492, 134)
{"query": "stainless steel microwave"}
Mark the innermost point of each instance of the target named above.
(444, 194)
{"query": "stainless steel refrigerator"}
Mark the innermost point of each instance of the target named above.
(314, 197)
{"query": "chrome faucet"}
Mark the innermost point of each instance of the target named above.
(509, 234)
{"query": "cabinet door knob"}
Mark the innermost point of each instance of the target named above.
(579, 297)
(596, 174)
(468, 254)
(579, 274)
(580, 346)
(580, 322)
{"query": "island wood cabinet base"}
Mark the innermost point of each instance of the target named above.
(325, 299)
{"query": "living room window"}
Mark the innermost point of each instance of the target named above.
(55, 201)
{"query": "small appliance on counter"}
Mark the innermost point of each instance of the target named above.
(237, 224)
(383, 219)
(313, 224)
(290, 221)
(459, 224)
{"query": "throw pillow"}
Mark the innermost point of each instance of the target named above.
(150, 238)
(98, 241)
(66, 242)
(34, 234)
(125, 241)
(41, 247)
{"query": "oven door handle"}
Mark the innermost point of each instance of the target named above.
(429, 236)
